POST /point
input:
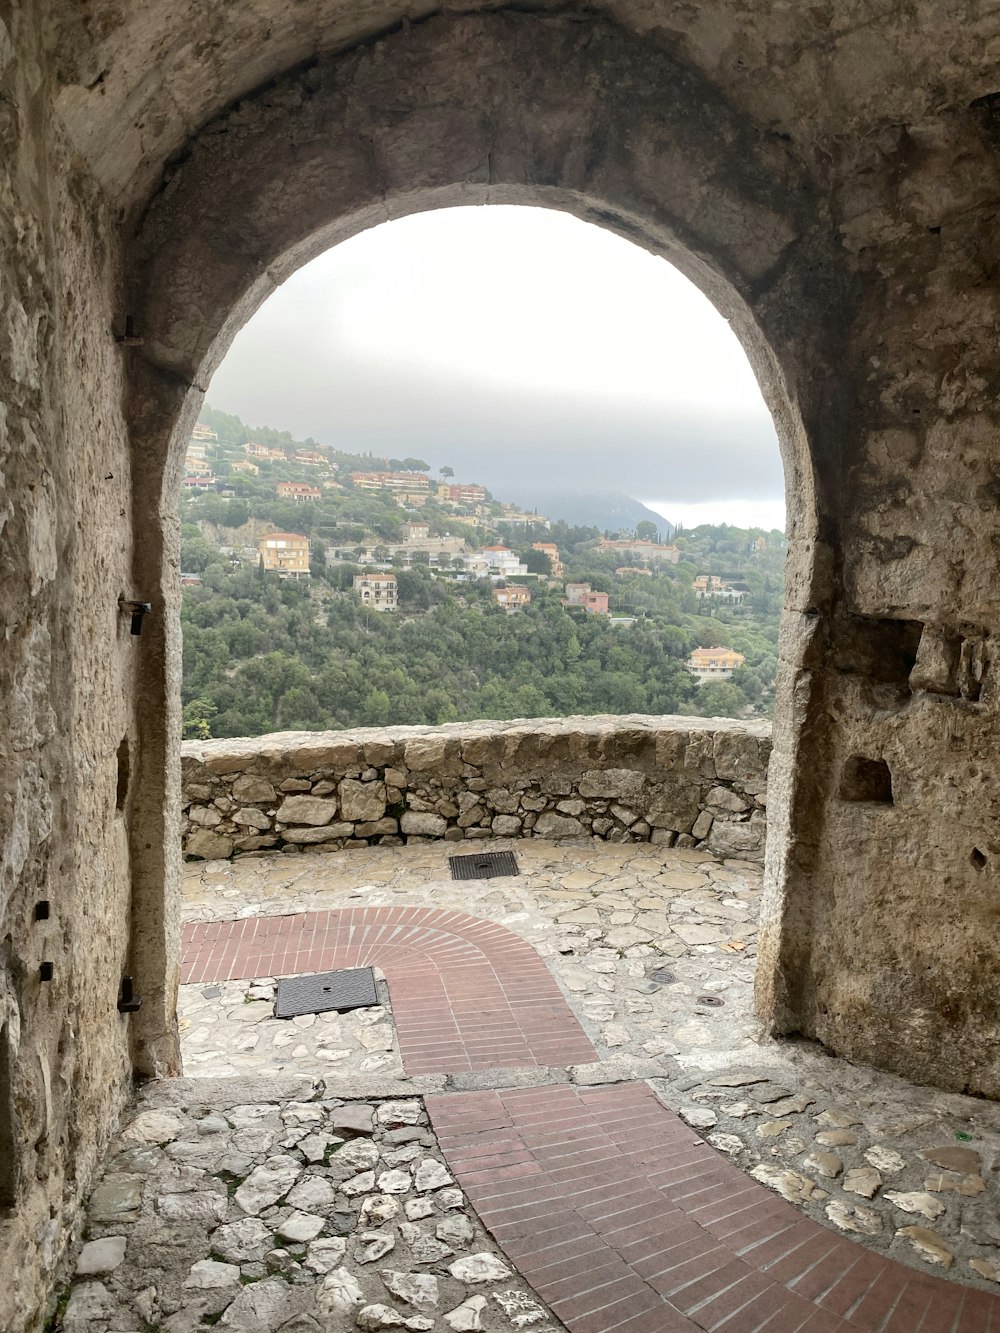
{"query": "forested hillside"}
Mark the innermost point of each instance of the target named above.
(264, 654)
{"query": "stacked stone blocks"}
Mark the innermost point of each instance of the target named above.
(679, 781)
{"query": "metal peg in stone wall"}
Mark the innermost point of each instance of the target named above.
(137, 610)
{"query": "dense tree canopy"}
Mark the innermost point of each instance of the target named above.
(265, 655)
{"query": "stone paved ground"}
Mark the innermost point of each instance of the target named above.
(263, 1196)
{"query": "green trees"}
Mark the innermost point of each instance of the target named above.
(720, 698)
(261, 654)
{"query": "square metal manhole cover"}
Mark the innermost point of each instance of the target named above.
(484, 865)
(350, 988)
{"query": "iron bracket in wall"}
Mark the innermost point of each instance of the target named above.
(137, 610)
(128, 1001)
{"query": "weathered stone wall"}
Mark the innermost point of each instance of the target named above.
(843, 217)
(68, 668)
(666, 780)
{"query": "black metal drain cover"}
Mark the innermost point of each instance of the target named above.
(350, 988)
(484, 865)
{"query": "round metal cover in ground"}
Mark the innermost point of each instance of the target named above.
(663, 977)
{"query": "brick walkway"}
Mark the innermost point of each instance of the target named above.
(622, 1219)
(615, 1211)
(466, 994)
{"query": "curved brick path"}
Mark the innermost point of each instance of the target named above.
(466, 994)
(620, 1217)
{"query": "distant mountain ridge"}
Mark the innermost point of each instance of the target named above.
(610, 512)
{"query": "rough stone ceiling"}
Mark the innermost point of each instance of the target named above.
(138, 77)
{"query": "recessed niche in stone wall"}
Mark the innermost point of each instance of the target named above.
(883, 650)
(973, 666)
(123, 774)
(978, 859)
(865, 779)
(8, 1137)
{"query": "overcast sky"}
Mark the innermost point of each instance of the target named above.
(523, 348)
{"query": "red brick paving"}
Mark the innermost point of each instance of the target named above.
(620, 1217)
(624, 1221)
(466, 994)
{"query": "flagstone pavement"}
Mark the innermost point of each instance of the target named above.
(561, 1114)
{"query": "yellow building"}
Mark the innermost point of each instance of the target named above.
(550, 549)
(377, 591)
(287, 553)
(512, 598)
(715, 663)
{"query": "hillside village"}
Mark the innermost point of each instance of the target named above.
(334, 545)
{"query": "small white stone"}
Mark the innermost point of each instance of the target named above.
(378, 1208)
(208, 1274)
(361, 1154)
(789, 1184)
(324, 1255)
(414, 1288)
(455, 1231)
(772, 1129)
(101, 1256)
(395, 1182)
(699, 1117)
(519, 1308)
(448, 1199)
(242, 1242)
(338, 1293)
(301, 1227)
(267, 1184)
(482, 1267)
(312, 1194)
(727, 1143)
(427, 1250)
(394, 1115)
(915, 1201)
(824, 1164)
(854, 1218)
(361, 1184)
(374, 1245)
(154, 1127)
(432, 1175)
(954, 1182)
(378, 1038)
(418, 1208)
(373, 1317)
(466, 1318)
(314, 1146)
(884, 1159)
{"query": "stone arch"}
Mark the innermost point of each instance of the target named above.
(508, 108)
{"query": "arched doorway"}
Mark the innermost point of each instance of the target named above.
(510, 109)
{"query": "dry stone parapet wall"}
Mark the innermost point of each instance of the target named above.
(667, 780)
